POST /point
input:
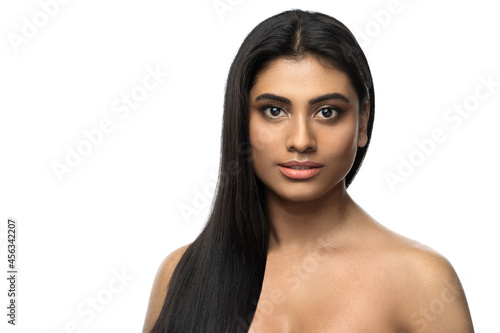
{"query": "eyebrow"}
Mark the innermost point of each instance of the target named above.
(311, 101)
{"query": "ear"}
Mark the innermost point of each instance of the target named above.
(363, 125)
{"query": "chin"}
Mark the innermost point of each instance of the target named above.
(301, 191)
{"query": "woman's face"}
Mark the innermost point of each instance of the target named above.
(303, 111)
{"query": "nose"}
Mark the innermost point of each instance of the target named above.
(300, 135)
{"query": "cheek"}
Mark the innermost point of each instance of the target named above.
(263, 135)
(268, 144)
(340, 143)
(264, 143)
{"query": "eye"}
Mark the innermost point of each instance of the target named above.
(274, 111)
(330, 112)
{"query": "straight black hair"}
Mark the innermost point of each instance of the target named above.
(216, 285)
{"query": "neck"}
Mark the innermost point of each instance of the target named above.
(298, 227)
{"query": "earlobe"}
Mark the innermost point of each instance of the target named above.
(362, 139)
(363, 126)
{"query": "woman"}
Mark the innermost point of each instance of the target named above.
(285, 248)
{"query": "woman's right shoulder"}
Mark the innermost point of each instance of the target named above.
(160, 286)
(168, 264)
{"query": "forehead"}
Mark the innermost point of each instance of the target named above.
(306, 77)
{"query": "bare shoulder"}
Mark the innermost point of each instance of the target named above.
(427, 289)
(168, 264)
(160, 286)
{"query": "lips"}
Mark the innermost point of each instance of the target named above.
(296, 163)
(300, 169)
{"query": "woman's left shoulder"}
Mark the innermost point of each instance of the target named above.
(427, 288)
(421, 261)
(407, 254)
(417, 267)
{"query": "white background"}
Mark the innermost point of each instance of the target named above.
(119, 209)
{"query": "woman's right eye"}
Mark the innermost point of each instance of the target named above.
(271, 111)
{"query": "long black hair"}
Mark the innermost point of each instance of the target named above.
(216, 285)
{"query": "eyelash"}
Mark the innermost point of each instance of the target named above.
(334, 108)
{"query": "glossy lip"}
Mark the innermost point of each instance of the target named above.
(285, 168)
(300, 163)
(299, 174)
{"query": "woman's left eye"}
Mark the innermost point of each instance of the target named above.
(329, 112)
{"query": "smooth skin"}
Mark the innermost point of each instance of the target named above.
(330, 267)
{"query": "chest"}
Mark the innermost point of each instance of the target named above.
(314, 296)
